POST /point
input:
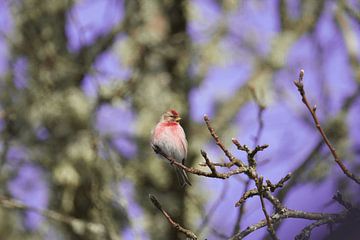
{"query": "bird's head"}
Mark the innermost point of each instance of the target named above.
(171, 116)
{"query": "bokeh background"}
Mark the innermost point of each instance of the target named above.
(82, 83)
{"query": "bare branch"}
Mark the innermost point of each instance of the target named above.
(279, 184)
(300, 85)
(76, 223)
(248, 194)
(289, 213)
(208, 163)
(177, 226)
(197, 171)
(241, 210)
(220, 144)
(306, 232)
(351, 11)
(261, 108)
(270, 228)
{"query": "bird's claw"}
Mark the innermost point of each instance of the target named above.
(158, 150)
(155, 148)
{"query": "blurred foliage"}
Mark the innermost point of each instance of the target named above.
(55, 120)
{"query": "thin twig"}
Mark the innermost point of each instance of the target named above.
(241, 211)
(248, 194)
(270, 228)
(279, 184)
(177, 226)
(220, 144)
(300, 85)
(213, 208)
(208, 163)
(261, 108)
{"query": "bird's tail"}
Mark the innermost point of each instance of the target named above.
(182, 177)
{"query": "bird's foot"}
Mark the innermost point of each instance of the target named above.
(156, 148)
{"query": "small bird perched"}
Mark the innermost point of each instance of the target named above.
(169, 137)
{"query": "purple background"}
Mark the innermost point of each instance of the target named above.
(328, 81)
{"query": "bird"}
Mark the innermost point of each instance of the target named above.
(169, 137)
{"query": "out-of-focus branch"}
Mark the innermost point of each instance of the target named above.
(213, 208)
(300, 85)
(347, 205)
(350, 40)
(8, 118)
(77, 224)
(261, 108)
(241, 210)
(285, 20)
(270, 228)
(177, 226)
(87, 54)
(297, 173)
(351, 11)
(119, 92)
(351, 214)
(265, 67)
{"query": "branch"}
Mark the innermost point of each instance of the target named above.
(213, 208)
(289, 213)
(177, 226)
(221, 145)
(306, 232)
(351, 212)
(268, 186)
(248, 194)
(8, 118)
(347, 205)
(349, 36)
(259, 185)
(300, 86)
(75, 223)
(351, 11)
(261, 108)
(208, 163)
(87, 54)
(279, 184)
(241, 211)
(242, 168)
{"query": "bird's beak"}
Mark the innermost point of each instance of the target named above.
(178, 119)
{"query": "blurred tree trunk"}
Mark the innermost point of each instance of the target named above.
(158, 30)
(53, 101)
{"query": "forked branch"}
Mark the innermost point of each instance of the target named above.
(300, 86)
